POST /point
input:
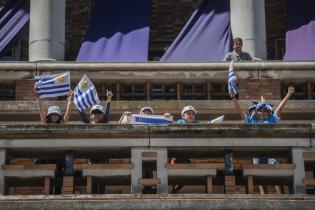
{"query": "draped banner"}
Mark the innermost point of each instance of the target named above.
(14, 18)
(118, 31)
(300, 36)
(206, 36)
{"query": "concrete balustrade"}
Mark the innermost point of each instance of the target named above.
(159, 143)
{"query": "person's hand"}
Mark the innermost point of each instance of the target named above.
(231, 64)
(291, 90)
(109, 95)
(167, 115)
(127, 113)
(232, 95)
(70, 95)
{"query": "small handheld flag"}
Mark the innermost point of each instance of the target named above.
(52, 85)
(85, 94)
(217, 120)
(231, 82)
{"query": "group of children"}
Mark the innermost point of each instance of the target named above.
(260, 112)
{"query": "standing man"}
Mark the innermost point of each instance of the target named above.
(237, 54)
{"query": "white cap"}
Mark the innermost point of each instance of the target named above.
(54, 110)
(97, 107)
(189, 108)
(147, 108)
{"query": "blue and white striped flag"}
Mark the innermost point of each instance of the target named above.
(52, 85)
(150, 119)
(85, 94)
(231, 83)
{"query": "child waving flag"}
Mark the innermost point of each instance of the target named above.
(85, 94)
(52, 85)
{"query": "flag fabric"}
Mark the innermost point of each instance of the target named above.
(217, 120)
(231, 83)
(85, 94)
(150, 119)
(53, 85)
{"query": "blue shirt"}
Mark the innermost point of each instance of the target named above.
(271, 120)
(182, 122)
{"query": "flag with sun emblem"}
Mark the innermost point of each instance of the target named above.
(85, 94)
(52, 85)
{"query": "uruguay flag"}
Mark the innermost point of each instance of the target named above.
(53, 85)
(231, 83)
(150, 119)
(85, 94)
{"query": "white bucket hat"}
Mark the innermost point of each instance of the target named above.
(97, 107)
(54, 110)
(147, 108)
(189, 108)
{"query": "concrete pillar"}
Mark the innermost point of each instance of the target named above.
(162, 171)
(2, 177)
(47, 30)
(248, 22)
(299, 171)
(136, 172)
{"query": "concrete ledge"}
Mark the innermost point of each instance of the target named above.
(213, 107)
(155, 132)
(160, 71)
(180, 202)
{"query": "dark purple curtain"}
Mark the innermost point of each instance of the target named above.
(118, 31)
(300, 37)
(14, 18)
(206, 36)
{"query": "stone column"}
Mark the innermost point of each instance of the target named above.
(299, 171)
(248, 22)
(47, 30)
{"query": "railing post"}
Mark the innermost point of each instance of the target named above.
(2, 177)
(299, 171)
(162, 188)
(136, 172)
(158, 155)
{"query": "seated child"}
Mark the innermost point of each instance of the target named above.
(98, 114)
(147, 110)
(262, 111)
(53, 115)
(188, 115)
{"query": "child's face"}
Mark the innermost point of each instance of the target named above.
(261, 114)
(146, 112)
(96, 117)
(54, 118)
(189, 116)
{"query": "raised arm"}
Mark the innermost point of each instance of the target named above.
(284, 101)
(69, 107)
(238, 107)
(109, 95)
(39, 107)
